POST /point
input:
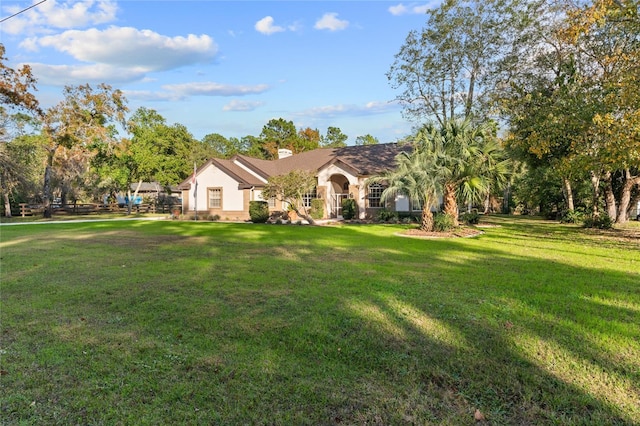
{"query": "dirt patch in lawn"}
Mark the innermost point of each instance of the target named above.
(628, 237)
(459, 232)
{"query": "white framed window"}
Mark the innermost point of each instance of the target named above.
(374, 195)
(215, 198)
(306, 198)
(416, 205)
(271, 202)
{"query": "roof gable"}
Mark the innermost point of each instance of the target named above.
(364, 160)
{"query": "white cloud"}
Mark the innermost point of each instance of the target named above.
(296, 26)
(59, 15)
(236, 105)
(266, 26)
(331, 111)
(130, 48)
(181, 92)
(215, 89)
(59, 75)
(398, 10)
(330, 21)
(150, 96)
(413, 8)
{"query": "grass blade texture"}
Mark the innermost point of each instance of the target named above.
(172, 322)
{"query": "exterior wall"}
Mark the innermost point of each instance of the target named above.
(402, 204)
(233, 199)
(327, 189)
(185, 200)
(278, 205)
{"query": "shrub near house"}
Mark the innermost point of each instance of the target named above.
(259, 211)
(227, 186)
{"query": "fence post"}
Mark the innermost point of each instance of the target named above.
(23, 209)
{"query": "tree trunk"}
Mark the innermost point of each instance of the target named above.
(451, 202)
(625, 195)
(633, 208)
(304, 214)
(505, 200)
(469, 101)
(7, 205)
(308, 219)
(132, 197)
(487, 201)
(427, 218)
(609, 196)
(46, 196)
(595, 186)
(568, 193)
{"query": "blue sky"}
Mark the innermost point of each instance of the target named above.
(224, 67)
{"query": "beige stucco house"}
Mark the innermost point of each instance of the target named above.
(226, 186)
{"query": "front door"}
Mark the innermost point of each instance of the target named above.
(336, 209)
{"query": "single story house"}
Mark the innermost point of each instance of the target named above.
(226, 186)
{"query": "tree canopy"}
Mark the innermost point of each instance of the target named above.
(291, 188)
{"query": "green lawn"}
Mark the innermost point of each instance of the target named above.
(173, 322)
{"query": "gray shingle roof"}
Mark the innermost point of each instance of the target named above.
(365, 160)
(371, 160)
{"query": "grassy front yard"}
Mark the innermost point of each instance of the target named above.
(217, 323)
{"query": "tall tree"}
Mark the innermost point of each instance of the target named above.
(82, 117)
(541, 130)
(573, 104)
(605, 33)
(276, 134)
(449, 69)
(113, 169)
(159, 152)
(367, 140)
(16, 88)
(308, 139)
(253, 147)
(20, 169)
(218, 146)
(334, 138)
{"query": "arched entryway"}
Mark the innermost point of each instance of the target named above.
(339, 189)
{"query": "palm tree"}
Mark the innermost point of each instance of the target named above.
(466, 169)
(419, 175)
(494, 168)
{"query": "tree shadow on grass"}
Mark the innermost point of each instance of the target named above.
(536, 349)
(326, 325)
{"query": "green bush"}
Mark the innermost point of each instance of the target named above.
(258, 211)
(408, 217)
(442, 222)
(385, 215)
(572, 216)
(317, 208)
(603, 221)
(349, 209)
(471, 218)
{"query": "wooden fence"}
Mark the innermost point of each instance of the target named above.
(85, 209)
